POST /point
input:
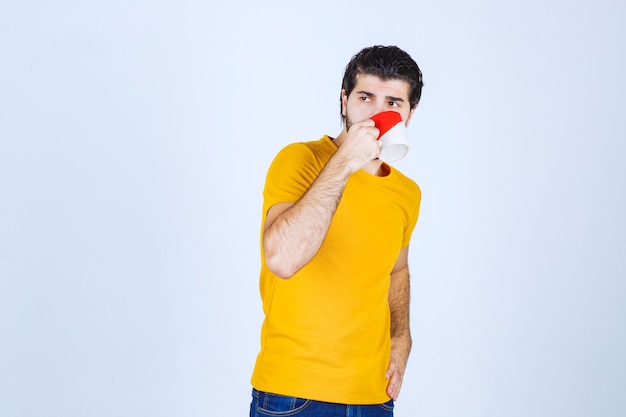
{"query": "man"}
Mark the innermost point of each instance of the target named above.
(334, 280)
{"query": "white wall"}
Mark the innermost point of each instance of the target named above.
(134, 139)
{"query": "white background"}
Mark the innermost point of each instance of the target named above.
(134, 141)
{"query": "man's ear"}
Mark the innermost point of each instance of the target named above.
(344, 102)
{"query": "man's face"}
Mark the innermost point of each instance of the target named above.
(372, 95)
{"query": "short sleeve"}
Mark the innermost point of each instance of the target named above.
(290, 175)
(412, 218)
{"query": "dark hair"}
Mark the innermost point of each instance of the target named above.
(387, 63)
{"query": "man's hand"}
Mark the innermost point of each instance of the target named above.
(397, 365)
(359, 145)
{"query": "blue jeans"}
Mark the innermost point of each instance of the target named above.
(265, 404)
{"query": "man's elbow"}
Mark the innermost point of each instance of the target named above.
(280, 267)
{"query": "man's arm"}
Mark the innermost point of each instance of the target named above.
(294, 232)
(399, 296)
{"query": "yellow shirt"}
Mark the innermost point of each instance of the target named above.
(326, 333)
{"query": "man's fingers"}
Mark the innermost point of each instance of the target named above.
(393, 389)
(395, 382)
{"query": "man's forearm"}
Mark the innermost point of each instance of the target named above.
(400, 330)
(296, 235)
(399, 299)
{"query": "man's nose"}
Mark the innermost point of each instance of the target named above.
(378, 108)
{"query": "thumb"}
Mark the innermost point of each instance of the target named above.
(390, 370)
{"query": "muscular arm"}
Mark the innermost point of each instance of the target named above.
(399, 296)
(294, 232)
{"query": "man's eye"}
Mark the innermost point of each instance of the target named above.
(365, 98)
(393, 103)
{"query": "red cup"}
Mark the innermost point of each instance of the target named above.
(393, 137)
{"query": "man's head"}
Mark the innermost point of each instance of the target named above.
(386, 63)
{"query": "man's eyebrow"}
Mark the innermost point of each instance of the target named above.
(389, 98)
(392, 98)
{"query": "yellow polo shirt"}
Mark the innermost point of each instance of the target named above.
(326, 333)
